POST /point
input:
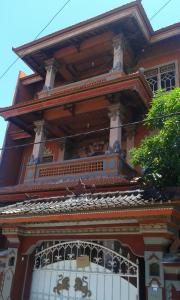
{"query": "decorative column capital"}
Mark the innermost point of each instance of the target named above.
(118, 41)
(115, 110)
(51, 65)
(39, 126)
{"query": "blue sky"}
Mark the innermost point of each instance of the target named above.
(23, 20)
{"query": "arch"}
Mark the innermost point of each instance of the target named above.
(75, 267)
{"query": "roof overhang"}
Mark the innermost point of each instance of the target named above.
(84, 90)
(165, 33)
(133, 10)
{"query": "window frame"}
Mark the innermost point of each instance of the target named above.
(158, 67)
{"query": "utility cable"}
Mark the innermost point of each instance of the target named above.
(60, 10)
(88, 132)
(159, 10)
(42, 30)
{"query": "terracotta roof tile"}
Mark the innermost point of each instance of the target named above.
(73, 204)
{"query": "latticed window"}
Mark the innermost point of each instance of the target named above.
(162, 77)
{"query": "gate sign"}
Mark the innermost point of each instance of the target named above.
(108, 275)
(82, 261)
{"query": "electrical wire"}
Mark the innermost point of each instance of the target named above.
(61, 9)
(88, 132)
(159, 10)
(42, 30)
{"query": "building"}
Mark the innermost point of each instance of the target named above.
(75, 224)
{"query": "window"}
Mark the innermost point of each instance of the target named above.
(154, 269)
(162, 77)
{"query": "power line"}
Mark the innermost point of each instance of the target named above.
(159, 10)
(89, 132)
(56, 14)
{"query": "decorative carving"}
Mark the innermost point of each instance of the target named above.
(39, 126)
(118, 43)
(47, 152)
(82, 286)
(51, 65)
(81, 189)
(62, 284)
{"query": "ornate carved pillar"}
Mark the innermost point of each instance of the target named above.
(118, 45)
(115, 135)
(51, 69)
(38, 142)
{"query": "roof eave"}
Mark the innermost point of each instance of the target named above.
(133, 9)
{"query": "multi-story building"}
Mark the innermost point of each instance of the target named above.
(74, 222)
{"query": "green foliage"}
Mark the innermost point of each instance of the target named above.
(159, 154)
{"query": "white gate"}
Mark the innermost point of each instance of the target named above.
(83, 270)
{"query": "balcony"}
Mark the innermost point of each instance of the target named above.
(97, 166)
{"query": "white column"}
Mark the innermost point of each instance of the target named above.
(39, 141)
(118, 42)
(51, 69)
(115, 135)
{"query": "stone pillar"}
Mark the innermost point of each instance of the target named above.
(130, 132)
(155, 247)
(51, 69)
(118, 45)
(115, 135)
(38, 142)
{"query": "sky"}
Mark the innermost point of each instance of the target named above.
(21, 21)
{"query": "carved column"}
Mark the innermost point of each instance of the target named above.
(38, 142)
(51, 69)
(118, 42)
(115, 135)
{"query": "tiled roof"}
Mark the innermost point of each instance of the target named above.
(85, 202)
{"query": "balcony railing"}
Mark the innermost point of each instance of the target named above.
(101, 165)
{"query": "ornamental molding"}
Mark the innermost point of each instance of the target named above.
(153, 227)
(49, 231)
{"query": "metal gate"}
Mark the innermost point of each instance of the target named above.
(83, 270)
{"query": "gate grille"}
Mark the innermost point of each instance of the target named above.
(84, 270)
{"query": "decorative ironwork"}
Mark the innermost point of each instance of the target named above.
(111, 261)
(163, 77)
(103, 275)
(82, 286)
(62, 284)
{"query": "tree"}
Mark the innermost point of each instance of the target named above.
(159, 153)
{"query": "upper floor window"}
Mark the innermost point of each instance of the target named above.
(162, 77)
